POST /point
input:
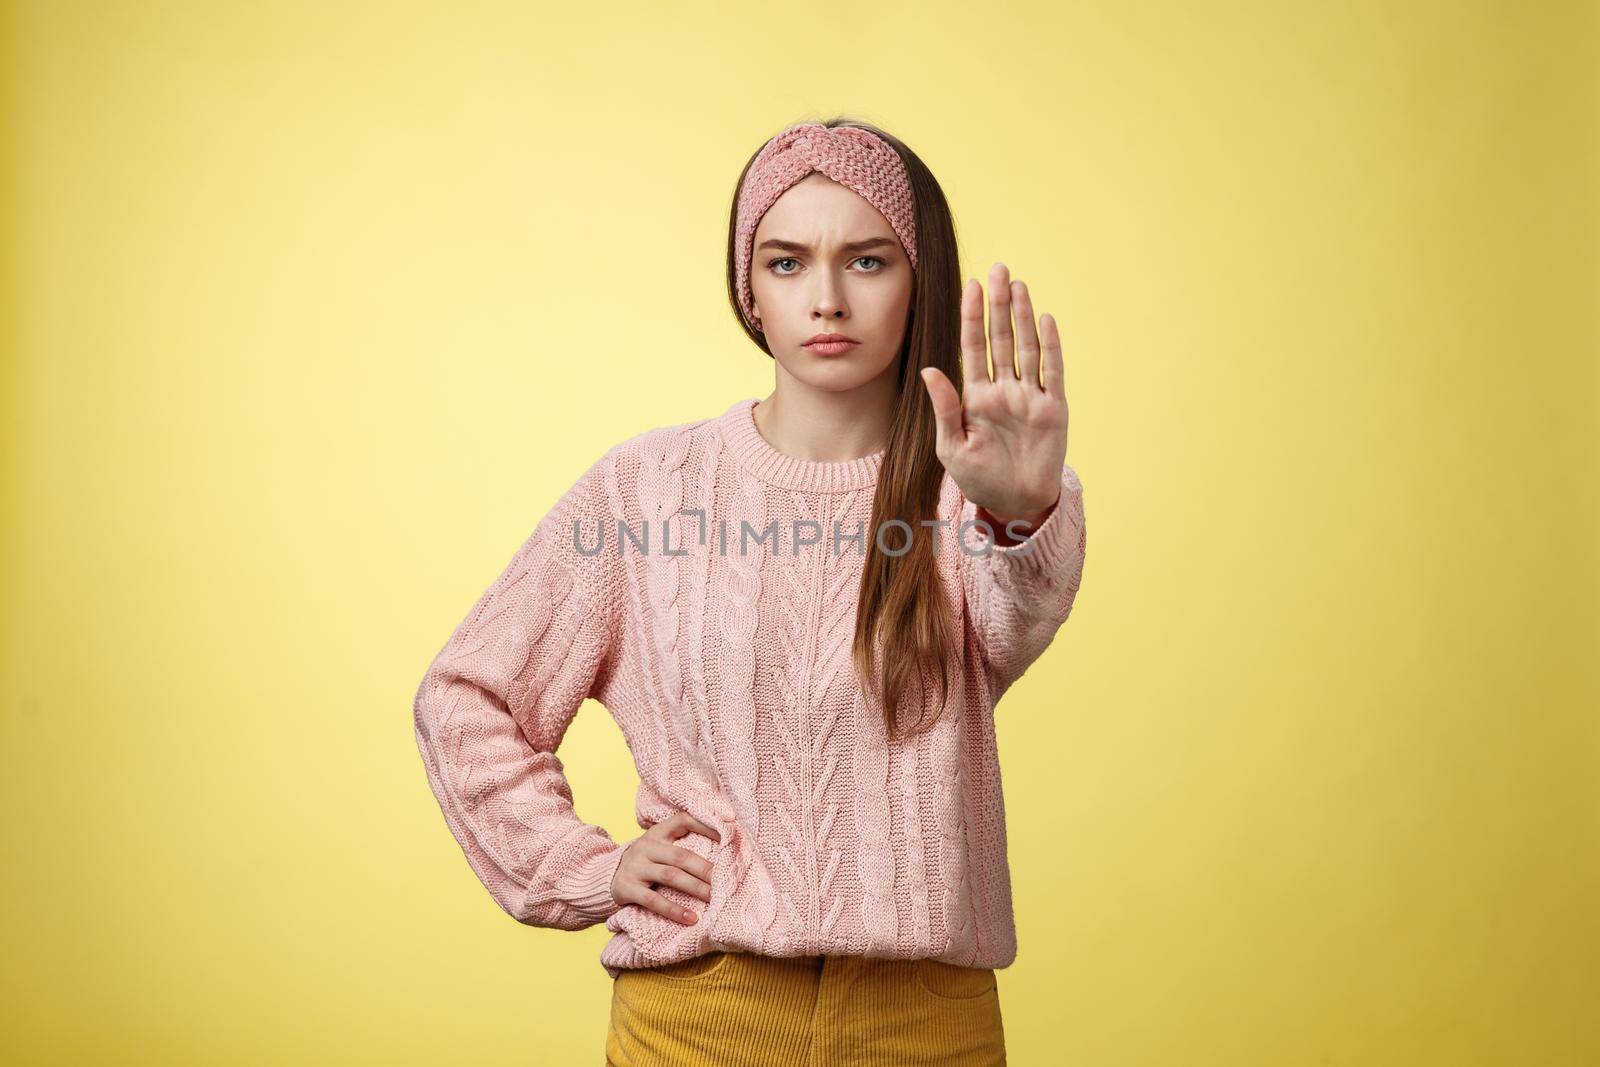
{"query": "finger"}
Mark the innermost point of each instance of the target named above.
(1053, 368)
(689, 861)
(974, 353)
(637, 876)
(710, 831)
(1000, 339)
(1027, 335)
(949, 432)
(649, 898)
(681, 822)
(678, 878)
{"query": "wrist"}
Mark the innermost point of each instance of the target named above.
(1010, 528)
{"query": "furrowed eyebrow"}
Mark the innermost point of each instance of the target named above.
(779, 245)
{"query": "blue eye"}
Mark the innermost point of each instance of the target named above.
(773, 263)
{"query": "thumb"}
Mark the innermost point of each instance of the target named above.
(950, 433)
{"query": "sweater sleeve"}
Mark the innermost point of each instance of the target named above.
(1018, 596)
(496, 701)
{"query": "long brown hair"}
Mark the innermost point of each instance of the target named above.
(900, 614)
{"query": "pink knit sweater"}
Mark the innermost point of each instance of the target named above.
(729, 675)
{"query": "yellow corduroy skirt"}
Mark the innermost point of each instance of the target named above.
(739, 1009)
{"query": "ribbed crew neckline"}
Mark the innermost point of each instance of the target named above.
(757, 455)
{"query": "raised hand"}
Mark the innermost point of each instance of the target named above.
(1004, 440)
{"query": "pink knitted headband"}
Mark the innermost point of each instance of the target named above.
(857, 159)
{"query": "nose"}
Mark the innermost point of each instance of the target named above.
(829, 302)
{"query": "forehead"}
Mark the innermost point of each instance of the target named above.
(818, 210)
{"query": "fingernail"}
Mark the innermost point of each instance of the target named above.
(688, 916)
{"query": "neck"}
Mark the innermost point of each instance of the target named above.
(824, 425)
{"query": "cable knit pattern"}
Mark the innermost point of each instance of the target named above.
(715, 623)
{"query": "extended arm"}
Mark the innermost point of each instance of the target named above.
(1019, 595)
(1004, 441)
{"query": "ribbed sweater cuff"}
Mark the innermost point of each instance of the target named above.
(587, 890)
(1052, 542)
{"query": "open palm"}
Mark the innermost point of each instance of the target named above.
(1004, 440)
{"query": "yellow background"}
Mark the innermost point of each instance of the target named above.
(311, 310)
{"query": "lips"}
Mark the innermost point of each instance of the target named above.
(831, 344)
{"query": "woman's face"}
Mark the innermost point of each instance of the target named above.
(825, 261)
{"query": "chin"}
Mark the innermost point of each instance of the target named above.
(836, 373)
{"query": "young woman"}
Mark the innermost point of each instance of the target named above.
(801, 613)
